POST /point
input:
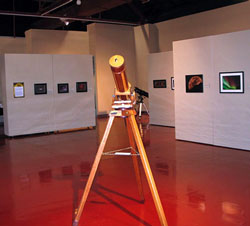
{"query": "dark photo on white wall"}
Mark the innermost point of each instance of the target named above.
(232, 82)
(160, 83)
(40, 88)
(63, 88)
(81, 87)
(194, 83)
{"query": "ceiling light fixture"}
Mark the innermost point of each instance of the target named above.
(66, 22)
(78, 2)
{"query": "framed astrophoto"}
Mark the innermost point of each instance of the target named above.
(160, 83)
(18, 89)
(194, 83)
(172, 83)
(232, 82)
(81, 87)
(63, 88)
(40, 88)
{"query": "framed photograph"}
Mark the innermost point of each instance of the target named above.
(40, 88)
(194, 83)
(172, 83)
(18, 89)
(160, 83)
(232, 82)
(81, 87)
(63, 88)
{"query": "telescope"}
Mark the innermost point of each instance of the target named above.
(124, 98)
(141, 92)
(123, 106)
(140, 100)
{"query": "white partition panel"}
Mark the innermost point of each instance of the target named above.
(213, 117)
(161, 100)
(33, 113)
(231, 52)
(74, 110)
(193, 111)
(51, 111)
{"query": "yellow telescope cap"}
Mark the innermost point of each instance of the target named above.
(116, 61)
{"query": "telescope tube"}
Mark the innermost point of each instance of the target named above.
(117, 65)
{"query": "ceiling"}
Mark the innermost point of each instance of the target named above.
(17, 16)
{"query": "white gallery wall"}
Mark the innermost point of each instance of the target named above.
(212, 117)
(51, 111)
(161, 100)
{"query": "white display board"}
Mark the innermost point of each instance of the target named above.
(51, 111)
(161, 100)
(73, 109)
(212, 117)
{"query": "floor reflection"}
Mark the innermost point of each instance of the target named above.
(43, 178)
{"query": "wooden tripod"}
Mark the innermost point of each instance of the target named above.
(134, 138)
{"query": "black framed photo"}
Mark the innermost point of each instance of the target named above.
(232, 82)
(81, 87)
(40, 88)
(194, 83)
(160, 83)
(18, 90)
(63, 87)
(172, 83)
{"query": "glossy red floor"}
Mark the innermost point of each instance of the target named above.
(42, 179)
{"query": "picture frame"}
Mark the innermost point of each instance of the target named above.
(18, 90)
(40, 88)
(172, 83)
(162, 83)
(62, 87)
(194, 83)
(231, 82)
(81, 87)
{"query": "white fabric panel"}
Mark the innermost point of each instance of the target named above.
(3, 87)
(213, 117)
(232, 111)
(33, 113)
(74, 110)
(193, 111)
(53, 111)
(161, 100)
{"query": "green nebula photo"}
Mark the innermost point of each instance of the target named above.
(231, 82)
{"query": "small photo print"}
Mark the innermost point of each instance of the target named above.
(81, 87)
(63, 88)
(194, 83)
(160, 83)
(232, 82)
(40, 88)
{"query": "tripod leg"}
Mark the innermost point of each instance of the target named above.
(147, 170)
(140, 107)
(135, 160)
(146, 108)
(93, 170)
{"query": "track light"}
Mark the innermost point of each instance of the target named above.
(66, 22)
